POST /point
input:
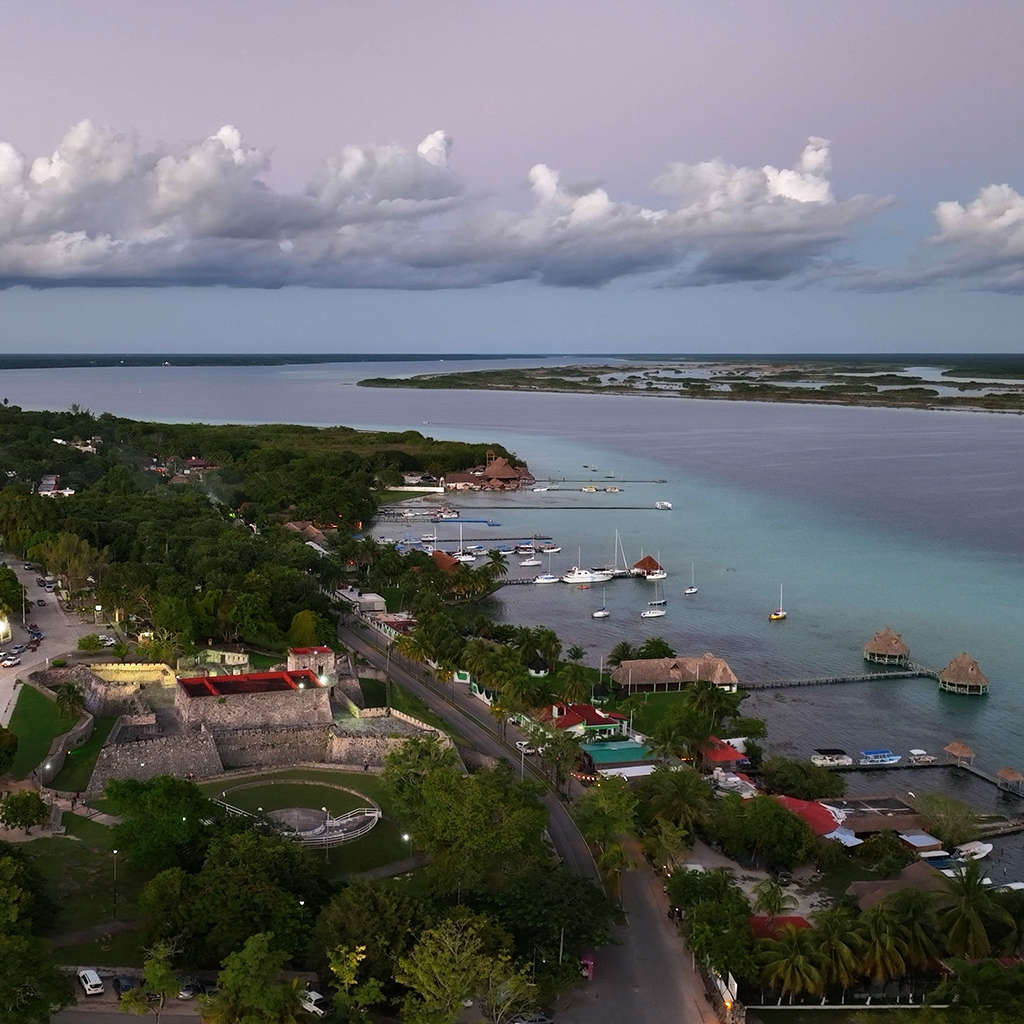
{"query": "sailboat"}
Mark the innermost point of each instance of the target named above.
(778, 614)
(613, 568)
(462, 555)
(657, 606)
(692, 588)
(659, 573)
(602, 612)
(546, 577)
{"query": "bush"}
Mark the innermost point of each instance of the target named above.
(801, 779)
(59, 662)
(89, 642)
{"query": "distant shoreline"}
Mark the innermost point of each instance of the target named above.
(72, 361)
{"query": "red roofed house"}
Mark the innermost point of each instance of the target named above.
(819, 817)
(770, 928)
(719, 754)
(445, 562)
(583, 720)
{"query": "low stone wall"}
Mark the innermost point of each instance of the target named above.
(192, 755)
(264, 710)
(242, 748)
(361, 751)
(348, 691)
(141, 673)
(49, 768)
(103, 698)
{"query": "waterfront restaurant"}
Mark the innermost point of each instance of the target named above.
(666, 674)
(962, 675)
(887, 648)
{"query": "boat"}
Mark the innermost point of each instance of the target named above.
(589, 489)
(958, 871)
(578, 575)
(527, 562)
(462, 555)
(663, 506)
(692, 588)
(831, 757)
(1010, 887)
(778, 614)
(429, 538)
(539, 490)
(658, 601)
(870, 757)
(602, 612)
(614, 490)
(972, 851)
(525, 549)
(545, 577)
(921, 757)
(550, 549)
(613, 568)
(652, 613)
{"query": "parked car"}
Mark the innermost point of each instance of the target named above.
(122, 985)
(17, 649)
(314, 1003)
(190, 988)
(525, 748)
(49, 588)
(110, 642)
(27, 567)
(780, 873)
(40, 582)
(41, 601)
(90, 981)
(10, 662)
(33, 645)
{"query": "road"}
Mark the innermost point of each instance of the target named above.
(646, 978)
(61, 632)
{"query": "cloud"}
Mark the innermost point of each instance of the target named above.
(102, 211)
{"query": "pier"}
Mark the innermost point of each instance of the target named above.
(914, 672)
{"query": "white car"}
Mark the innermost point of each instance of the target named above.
(10, 662)
(90, 981)
(314, 1003)
(525, 748)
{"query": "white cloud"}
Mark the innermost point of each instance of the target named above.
(102, 211)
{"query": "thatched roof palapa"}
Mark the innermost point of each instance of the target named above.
(959, 750)
(1009, 775)
(499, 469)
(887, 642)
(648, 671)
(962, 671)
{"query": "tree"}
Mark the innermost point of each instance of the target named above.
(839, 945)
(351, 999)
(70, 699)
(967, 910)
(303, 630)
(789, 963)
(406, 768)
(23, 809)
(248, 991)
(576, 653)
(559, 752)
(497, 564)
(31, 991)
(801, 779)
(679, 796)
(883, 949)
(8, 750)
(506, 990)
(159, 983)
(90, 642)
(574, 683)
(772, 900)
(715, 703)
(622, 651)
(949, 820)
(916, 910)
(612, 862)
(12, 593)
(662, 842)
(444, 968)
(606, 811)
(655, 647)
(549, 646)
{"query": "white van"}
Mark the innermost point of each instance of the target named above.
(90, 981)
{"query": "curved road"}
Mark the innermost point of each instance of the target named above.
(647, 976)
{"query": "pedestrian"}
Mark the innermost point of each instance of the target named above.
(366, 766)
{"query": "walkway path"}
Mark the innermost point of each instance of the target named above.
(93, 932)
(396, 867)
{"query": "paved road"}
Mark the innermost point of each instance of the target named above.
(60, 629)
(647, 977)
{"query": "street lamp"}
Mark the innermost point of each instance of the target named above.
(96, 614)
(327, 848)
(115, 885)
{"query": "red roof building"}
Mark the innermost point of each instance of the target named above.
(445, 562)
(582, 719)
(252, 682)
(819, 817)
(763, 928)
(719, 754)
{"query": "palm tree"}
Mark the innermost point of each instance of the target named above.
(789, 963)
(712, 702)
(549, 646)
(497, 564)
(664, 841)
(916, 910)
(70, 699)
(1013, 941)
(559, 754)
(967, 908)
(655, 647)
(622, 651)
(576, 653)
(839, 946)
(772, 900)
(574, 683)
(669, 740)
(612, 862)
(884, 951)
(678, 796)
(524, 643)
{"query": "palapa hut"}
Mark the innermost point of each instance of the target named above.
(646, 566)
(659, 674)
(959, 752)
(887, 648)
(1011, 777)
(962, 675)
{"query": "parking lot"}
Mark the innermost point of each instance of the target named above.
(61, 631)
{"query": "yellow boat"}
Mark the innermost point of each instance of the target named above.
(778, 614)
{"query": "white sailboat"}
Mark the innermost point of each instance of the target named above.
(659, 573)
(462, 555)
(779, 614)
(546, 577)
(602, 612)
(657, 606)
(692, 588)
(530, 562)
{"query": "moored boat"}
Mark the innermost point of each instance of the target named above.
(652, 613)
(972, 851)
(578, 575)
(921, 757)
(545, 577)
(527, 562)
(663, 506)
(870, 757)
(779, 614)
(831, 757)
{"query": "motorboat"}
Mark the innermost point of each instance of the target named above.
(972, 851)
(779, 614)
(957, 872)
(578, 575)
(870, 757)
(589, 489)
(1010, 887)
(831, 757)
(546, 577)
(539, 490)
(525, 549)
(550, 549)
(614, 490)
(692, 588)
(663, 506)
(530, 562)
(921, 757)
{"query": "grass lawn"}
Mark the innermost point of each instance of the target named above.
(654, 709)
(122, 950)
(79, 869)
(272, 797)
(382, 845)
(37, 724)
(408, 703)
(74, 776)
(374, 692)
(390, 497)
(264, 662)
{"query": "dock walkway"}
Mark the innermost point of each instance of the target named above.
(916, 672)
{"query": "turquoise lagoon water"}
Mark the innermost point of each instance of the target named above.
(868, 517)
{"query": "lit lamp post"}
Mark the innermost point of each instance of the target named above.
(96, 613)
(115, 885)
(327, 848)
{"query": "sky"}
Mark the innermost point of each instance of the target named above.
(424, 175)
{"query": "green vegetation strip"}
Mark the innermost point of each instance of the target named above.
(74, 776)
(37, 723)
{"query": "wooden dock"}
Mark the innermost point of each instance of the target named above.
(916, 672)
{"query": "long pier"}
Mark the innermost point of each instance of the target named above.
(916, 672)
